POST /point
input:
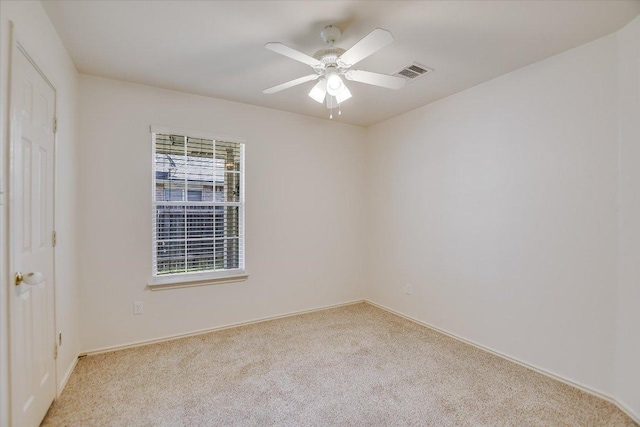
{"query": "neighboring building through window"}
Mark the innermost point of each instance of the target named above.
(198, 207)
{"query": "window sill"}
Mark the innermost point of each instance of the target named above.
(190, 280)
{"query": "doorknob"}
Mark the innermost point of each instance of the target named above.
(29, 278)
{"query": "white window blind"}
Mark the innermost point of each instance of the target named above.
(198, 206)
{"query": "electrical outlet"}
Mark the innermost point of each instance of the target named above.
(137, 307)
(408, 289)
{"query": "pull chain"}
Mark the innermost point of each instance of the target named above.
(331, 107)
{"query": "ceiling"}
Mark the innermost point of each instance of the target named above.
(215, 48)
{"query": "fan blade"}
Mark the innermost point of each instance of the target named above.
(375, 79)
(319, 91)
(371, 43)
(292, 53)
(291, 83)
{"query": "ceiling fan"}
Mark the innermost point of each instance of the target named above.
(333, 63)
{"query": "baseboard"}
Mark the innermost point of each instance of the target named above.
(66, 377)
(635, 417)
(627, 410)
(218, 328)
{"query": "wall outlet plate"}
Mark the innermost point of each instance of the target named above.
(408, 289)
(137, 307)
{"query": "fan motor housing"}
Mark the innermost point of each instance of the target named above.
(329, 55)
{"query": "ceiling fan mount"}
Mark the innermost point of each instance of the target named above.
(330, 34)
(332, 63)
(329, 55)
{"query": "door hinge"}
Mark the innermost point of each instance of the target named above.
(55, 351)
(55, 124)
(54, 238)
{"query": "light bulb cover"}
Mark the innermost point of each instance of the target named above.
(319, 91)
(343, 95)
(334, 82)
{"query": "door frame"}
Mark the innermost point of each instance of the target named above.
(19, 47)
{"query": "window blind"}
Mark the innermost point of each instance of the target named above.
(198, 205)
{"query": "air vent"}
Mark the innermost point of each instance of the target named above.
(413, 71)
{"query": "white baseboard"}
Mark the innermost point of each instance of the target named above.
(66, 377)
(624, 408)
(218, 328)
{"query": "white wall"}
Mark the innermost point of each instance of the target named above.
(304, 204)
(628, 312)
(498, 204)
(40, 38)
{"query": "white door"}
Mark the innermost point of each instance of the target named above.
(32, 356)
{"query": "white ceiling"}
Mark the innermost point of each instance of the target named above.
(216, 48)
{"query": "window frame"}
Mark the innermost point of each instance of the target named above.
(199, 278)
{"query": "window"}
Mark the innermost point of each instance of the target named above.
(198, 207)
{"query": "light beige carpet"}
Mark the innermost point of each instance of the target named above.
(351, 366)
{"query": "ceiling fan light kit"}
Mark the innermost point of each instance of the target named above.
(334, 82)
(343, 95)
(319, 91)
(332, 64)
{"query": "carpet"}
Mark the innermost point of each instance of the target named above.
(356, 365)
